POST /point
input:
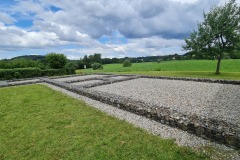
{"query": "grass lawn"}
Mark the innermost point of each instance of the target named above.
(230, 69)
(39, 123)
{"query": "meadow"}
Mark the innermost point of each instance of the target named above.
(39, 123)
(230, 69)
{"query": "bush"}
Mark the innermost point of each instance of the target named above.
(56, 61)
(70, 68)
(96, 66)
(127, 63)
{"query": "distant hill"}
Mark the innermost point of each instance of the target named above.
(32, 57)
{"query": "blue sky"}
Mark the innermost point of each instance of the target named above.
(114, 28)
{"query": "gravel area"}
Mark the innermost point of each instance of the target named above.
(79, 78)
(87, 82)
(23, 81)
(3, 83)
(211, 100)
(182, 138)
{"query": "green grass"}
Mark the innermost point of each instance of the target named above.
(39, 123)
(230, 69)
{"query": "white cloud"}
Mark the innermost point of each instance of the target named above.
(6, 19)
(151, 27)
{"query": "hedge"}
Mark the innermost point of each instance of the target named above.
(17, 73)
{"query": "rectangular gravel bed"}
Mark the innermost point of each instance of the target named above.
(210, 100)
(79, 78)
(83, 83)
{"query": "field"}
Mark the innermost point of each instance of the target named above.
(230, 69)
(39, 123)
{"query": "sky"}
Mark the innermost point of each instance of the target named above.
(114, 28)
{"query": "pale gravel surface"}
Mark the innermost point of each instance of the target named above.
(79, 78)
(182, 138)
(211, 100)
(24, 81)
(89, 82)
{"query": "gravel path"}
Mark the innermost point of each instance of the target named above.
(182, 138)
(211, 100)
(23, 81)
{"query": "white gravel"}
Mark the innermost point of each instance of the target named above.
(87, 82)
(182, 138)
(79, 78)
(211, 100)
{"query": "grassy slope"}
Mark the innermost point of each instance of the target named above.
(39, 123)
(230, 69)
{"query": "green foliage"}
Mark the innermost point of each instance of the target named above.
(20, 63)
(56, 60)
(53, 72)
(96, 66)
(70, 68)
(40, 123)
(19, 73)
(16, 73)
(89, 60)
(234, 55)
(218, 33)
(127, 63)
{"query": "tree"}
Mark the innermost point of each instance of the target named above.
(56, 60)
(219, 33)
(97, 58)
(127, 63)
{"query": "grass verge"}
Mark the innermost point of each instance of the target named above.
(39, 123)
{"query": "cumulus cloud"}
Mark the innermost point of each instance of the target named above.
(6, 19)
(150, 27)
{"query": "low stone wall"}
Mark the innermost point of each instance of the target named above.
(222, 81)
(105, 82)
(197, 80)
(219, 131)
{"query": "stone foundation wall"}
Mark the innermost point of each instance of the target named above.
(219, 131)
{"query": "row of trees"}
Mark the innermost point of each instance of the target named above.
(50, 61)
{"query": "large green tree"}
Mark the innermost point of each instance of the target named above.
(218, 34)
(56, 60)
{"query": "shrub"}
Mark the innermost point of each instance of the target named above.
(56, 61)
(70, 68)
(127, 63)
(96, 66)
